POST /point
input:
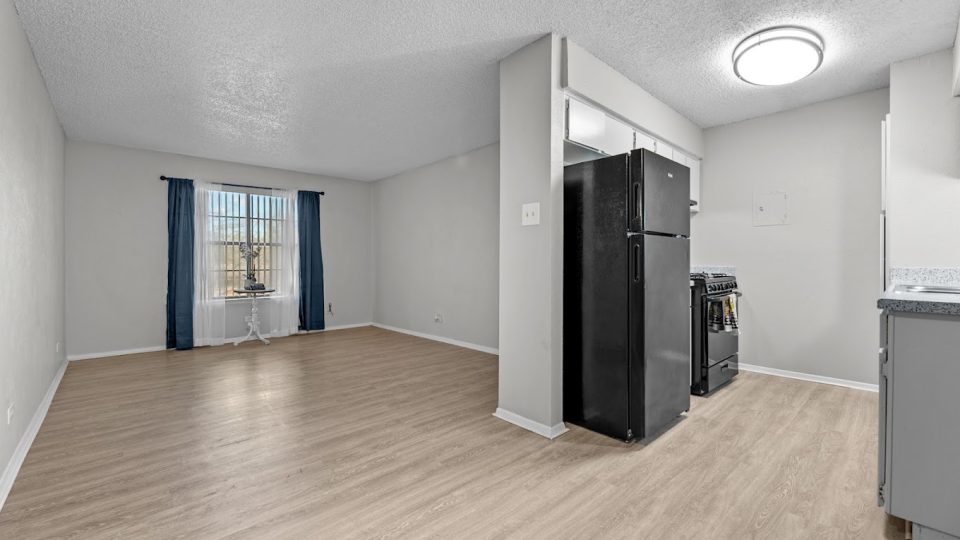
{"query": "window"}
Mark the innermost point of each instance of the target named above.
(237, 217)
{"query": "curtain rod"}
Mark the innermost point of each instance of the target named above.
(164, 179)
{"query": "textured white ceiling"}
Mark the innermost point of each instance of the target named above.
(366, 89)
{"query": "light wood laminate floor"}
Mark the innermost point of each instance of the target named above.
(369, 433)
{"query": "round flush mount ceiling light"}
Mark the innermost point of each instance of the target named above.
(780, 55)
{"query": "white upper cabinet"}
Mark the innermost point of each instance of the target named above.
(585, 125)
(664, 150)
(592, 128)
(618, 137)
(645, 141)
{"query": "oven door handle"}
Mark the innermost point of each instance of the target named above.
(720, 296)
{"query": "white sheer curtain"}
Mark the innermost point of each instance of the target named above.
(209, 308)
(283, 315)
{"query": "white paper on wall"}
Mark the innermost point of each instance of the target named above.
(770, 208)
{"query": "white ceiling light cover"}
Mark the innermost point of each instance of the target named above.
(778, 56)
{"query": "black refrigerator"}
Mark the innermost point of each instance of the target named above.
(626, 319)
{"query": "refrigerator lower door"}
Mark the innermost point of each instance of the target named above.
(660, 331)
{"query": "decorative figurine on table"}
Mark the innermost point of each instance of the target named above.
(252, 289)
(250, 253)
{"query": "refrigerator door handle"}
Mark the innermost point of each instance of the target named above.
(636, 263)
(636, 202)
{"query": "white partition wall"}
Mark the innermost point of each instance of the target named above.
(531, 171)
(533, 82)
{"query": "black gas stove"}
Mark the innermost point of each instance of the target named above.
(716, 283)
(715, 331)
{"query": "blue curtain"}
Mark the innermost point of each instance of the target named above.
(179, 263)
(311, 261)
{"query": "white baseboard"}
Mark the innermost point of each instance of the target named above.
(271, 335)
(457, 342)
(338, 327)
(16, 460)
(87, 356)
(811, 378)
(550, 432)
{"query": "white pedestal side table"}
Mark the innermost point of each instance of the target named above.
(253, 320)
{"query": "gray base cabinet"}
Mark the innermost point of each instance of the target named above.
(926, 533)
(919, 474)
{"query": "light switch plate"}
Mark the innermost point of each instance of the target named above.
(531, 214)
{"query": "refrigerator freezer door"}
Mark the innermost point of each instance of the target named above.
(659, 195)
(660, 331)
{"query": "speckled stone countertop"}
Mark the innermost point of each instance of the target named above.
(713, 270)
(925, 275)
(942, 304)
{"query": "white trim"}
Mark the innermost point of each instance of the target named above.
(856, 385)
(87, 356)
(16, 460)
(338, 327)
(457, 342)
(528, 424)
(304, 332)
(272, 335)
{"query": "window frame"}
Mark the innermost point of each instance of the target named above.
(226, 278)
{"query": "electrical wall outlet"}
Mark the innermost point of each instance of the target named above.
(58, 346)
(438, 317)
(330, 308)
(10, 410)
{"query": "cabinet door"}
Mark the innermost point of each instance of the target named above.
(644, 141)
(585, 125)
(592, 128)
(885, 399)
(617, 137)
(664, 149)
(924, 438)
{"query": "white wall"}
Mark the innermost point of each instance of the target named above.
(531, 258)
(923, 177)
(956, 64)
(117, 242)
(810, 287)
(31, 229)
(436, 237)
